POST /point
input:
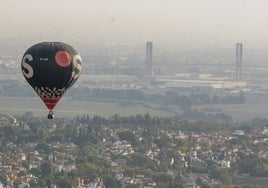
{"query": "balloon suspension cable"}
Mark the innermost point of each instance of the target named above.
(50, 115)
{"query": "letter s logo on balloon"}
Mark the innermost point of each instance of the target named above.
(27, 69)
(77, 66)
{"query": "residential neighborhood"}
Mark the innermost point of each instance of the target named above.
(97, 153)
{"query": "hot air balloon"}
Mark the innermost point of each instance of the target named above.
(51, 68)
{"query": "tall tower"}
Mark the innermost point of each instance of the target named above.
(149, 58)
(239, 54)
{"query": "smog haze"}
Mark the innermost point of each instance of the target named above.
(178, 23)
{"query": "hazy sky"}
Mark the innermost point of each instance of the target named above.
(167, 22)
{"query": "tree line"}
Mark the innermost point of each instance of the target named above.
(169, 98)
(13, 88)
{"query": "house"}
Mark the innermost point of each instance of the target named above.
(199, 166)
(97, 183)
(224, 163)
(6, 120)
(123, 148)
(238, 133)
(23, 185)
(189, 182)
(150, 184)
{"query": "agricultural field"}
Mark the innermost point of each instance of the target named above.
(254, 107)
(71, 108)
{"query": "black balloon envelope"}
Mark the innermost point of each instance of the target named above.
(51, 68)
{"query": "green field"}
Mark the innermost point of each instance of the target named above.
(71, 108)
(255, 106)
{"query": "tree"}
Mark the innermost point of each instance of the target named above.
(224, 175)
(128, 136)
(162, 178)
(89, 170)
(10, 133)
(253, 165)
(43, 148)
(109, 182)
(63, 182)
(36, 172)
(138, 160)
(46, 169)
(162, 141)
(3, 179)
(41, 182)
(132, 186)
(86, 149)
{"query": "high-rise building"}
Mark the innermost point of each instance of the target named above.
(239, 55)
(149, 58)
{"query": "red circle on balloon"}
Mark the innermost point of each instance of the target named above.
(63, 58)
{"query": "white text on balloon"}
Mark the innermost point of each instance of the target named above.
(26, 66)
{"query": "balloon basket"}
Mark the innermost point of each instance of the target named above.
(50, 115)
